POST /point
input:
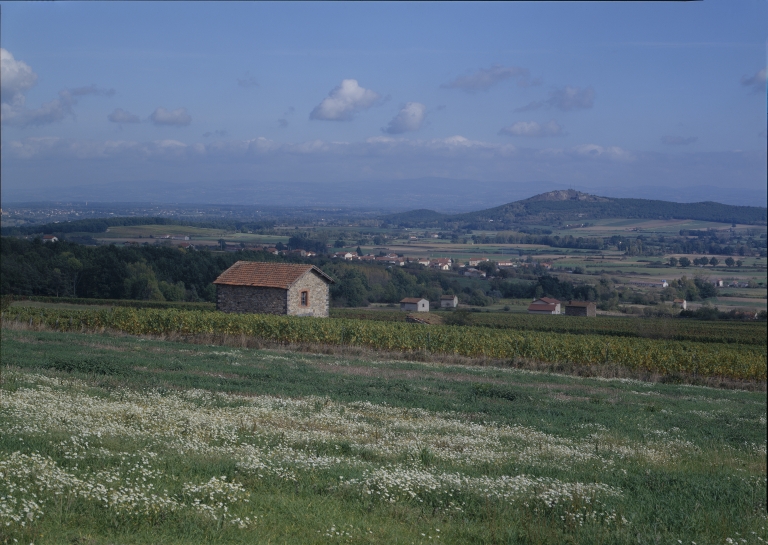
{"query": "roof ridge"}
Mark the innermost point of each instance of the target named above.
(267, 274)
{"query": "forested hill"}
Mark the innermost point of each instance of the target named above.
(569, 205)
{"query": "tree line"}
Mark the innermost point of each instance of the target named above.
(167, 273)
(100, 225)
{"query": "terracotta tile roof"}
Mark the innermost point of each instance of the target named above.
(542, 308)
(546, 300)
(412, 300)
(266, 275)
(449, 297)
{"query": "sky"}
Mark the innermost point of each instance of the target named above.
(624, 95)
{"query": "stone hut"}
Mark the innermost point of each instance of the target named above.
(580, 308)
(273, 288)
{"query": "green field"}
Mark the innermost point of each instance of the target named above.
(155, 232)
(115, 439)
(135, 231)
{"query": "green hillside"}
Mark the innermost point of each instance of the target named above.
(569, 205)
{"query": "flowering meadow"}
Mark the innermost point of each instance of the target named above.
(116, 439)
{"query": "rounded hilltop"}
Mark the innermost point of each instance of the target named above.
(568, 195)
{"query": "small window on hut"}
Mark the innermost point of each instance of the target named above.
(305, 298)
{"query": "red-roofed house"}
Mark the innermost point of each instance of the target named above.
(273, 288)
(545, 305)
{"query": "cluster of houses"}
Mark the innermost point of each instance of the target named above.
(440, 263)
(548, 305)
(469, 268)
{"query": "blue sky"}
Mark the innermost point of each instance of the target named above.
(585, 94)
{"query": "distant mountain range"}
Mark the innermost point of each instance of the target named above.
(571, 206)
(442, 194)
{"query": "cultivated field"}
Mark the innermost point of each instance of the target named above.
(116, 439)
(592, 348)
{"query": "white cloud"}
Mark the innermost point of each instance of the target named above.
(756, 82)
(408, 119)
(533, 128)
(49, 112)
(485, 78)
(678, 140)
(16, 77)
(344, 102)
(38, 148)
(457, 140)
(382, 157)
(122, 116)
(454, 147)
(383, 140)
(565, 99)
(178, 117)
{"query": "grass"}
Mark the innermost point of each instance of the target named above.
(195, 234)
(134, 231)
(328, 448)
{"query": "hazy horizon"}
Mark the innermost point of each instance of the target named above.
(446, 196)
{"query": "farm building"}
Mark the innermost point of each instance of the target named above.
(50, 238)
(415, 304)
(545, 305)
(449, 301)
(273, 288)
(580, 308)
(681, 303)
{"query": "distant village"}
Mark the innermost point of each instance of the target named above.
(543, 305)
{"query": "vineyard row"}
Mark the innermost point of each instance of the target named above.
(661, 356)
